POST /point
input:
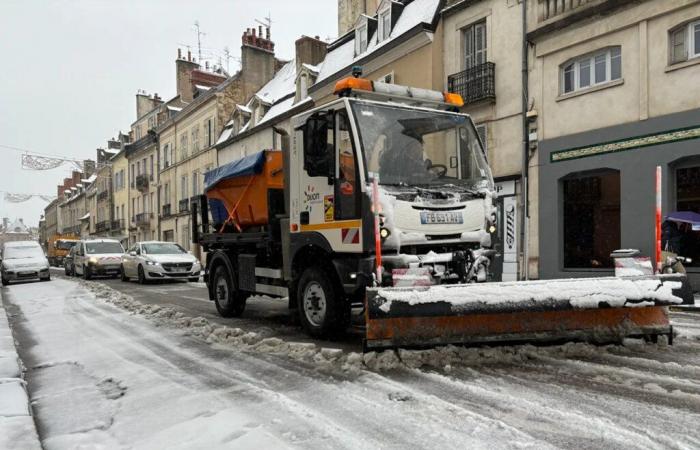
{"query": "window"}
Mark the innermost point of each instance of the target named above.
(195, 139)
(682, 238)
(384, 24)
(591, 220)
(483, 135)
(152, 171)
(195, 183)
(137, 132)
(475, 45)
(166, 156)
(591, 70)
(361, 39)
(151, 122)
(166, 194)
(207, 133)
(183, 187)
(347, 198)
(132, 175)
(138, 168)
(143, 164)
(183, 146)
(684, 42)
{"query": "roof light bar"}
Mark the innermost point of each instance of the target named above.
(397, 92)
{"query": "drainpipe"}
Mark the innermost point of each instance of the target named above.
(526, 148)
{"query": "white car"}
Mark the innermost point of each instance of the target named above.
(97, 257)
(155, 260)
(23, 260)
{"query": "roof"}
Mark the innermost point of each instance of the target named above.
(342, 56)
(85, 217)
(281, 108)
(280, 85)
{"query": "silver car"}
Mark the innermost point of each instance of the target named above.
(22, 261)
(155, 260)
(97, 257)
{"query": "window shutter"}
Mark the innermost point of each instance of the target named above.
(479, 43)
(678, 45)
(469, 48)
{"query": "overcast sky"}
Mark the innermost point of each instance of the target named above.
(71, 68)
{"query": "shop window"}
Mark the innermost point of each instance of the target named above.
(591, 220)
(685, 240)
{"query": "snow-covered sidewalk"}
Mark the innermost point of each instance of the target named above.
(17, 428)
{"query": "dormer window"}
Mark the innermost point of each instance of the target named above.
(384, 24)
(361, 39)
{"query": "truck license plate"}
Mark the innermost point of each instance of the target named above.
(440, 217)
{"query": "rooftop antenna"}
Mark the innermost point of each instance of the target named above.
(199, 39)
(227, 55)
(267, 21)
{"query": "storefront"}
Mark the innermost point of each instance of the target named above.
(597, 193)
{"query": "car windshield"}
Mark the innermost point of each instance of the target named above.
(414, 147)
(33, 251)
(163, 249)
(94, 248)
(65, 245)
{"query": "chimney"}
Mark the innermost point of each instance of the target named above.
(179, 53)
(309, 51)
(76, 178)
(267, 33)
(189, 55)
(89, 167)
(59, 191)
(257, 59)
(183, 78)
(144, 104)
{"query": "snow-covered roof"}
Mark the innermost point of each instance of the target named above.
(225, 134)
(312, 68)
(280, 108)
(244, 109)
(111, 151)
(416, 12)
(174, 108)
(283, 83)
(92, 179)
(202, 88)
(85, 217)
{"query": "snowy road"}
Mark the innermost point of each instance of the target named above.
(106, 370)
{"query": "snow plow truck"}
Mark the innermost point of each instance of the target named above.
(384, 198)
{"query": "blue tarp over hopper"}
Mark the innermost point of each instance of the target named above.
(248, 165)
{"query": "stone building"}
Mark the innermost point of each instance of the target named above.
(186, 140)
(350, 10)
(263, 123)
(611, 84)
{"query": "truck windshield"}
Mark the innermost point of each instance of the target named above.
(421, 148)
(65, 245)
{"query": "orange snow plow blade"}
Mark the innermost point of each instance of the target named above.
(601, 310)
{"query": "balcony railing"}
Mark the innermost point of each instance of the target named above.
(117, 225)
(103, 226)
(166, 210)
(142, 182)
(142, 219)
(184, 205)
(102, 196)
(474, 84)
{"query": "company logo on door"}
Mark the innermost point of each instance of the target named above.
(310, 196)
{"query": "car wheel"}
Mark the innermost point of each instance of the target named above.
(5, 282)
(86, 272)
(142, 275)
(323, 310)
(47, 278)
(229, 301)
(123, 274)
(66, 270)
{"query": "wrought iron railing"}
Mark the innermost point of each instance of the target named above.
(142, 219)
(103, 226)
(474, 84)
(102, 196)
(142, 182)
(117, 225)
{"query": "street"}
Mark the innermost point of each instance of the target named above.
(120, 365)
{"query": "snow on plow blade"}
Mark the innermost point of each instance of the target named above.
(597, 310)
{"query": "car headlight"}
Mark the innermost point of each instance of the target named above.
(92, 260)
(152, 263)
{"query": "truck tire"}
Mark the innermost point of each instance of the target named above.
(323, 311)
(229, 301)
(86, 273)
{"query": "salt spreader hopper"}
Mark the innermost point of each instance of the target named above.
(384, 197)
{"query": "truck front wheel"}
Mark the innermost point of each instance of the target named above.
(229, 301)
(323, 311)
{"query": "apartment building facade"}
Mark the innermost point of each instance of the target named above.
(610, 83)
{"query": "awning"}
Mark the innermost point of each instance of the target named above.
(689, 217)
(249, 165)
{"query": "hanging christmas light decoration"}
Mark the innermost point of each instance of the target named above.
(13, 197)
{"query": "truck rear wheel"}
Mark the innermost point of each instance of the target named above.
(229, 301)
(323, 310)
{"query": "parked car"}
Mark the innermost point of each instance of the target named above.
(154, 260)
(68, 263)
(22, 261)
(97, 257)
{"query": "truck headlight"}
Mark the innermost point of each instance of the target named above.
(92, 260)
(384, 233)
(492, 229)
